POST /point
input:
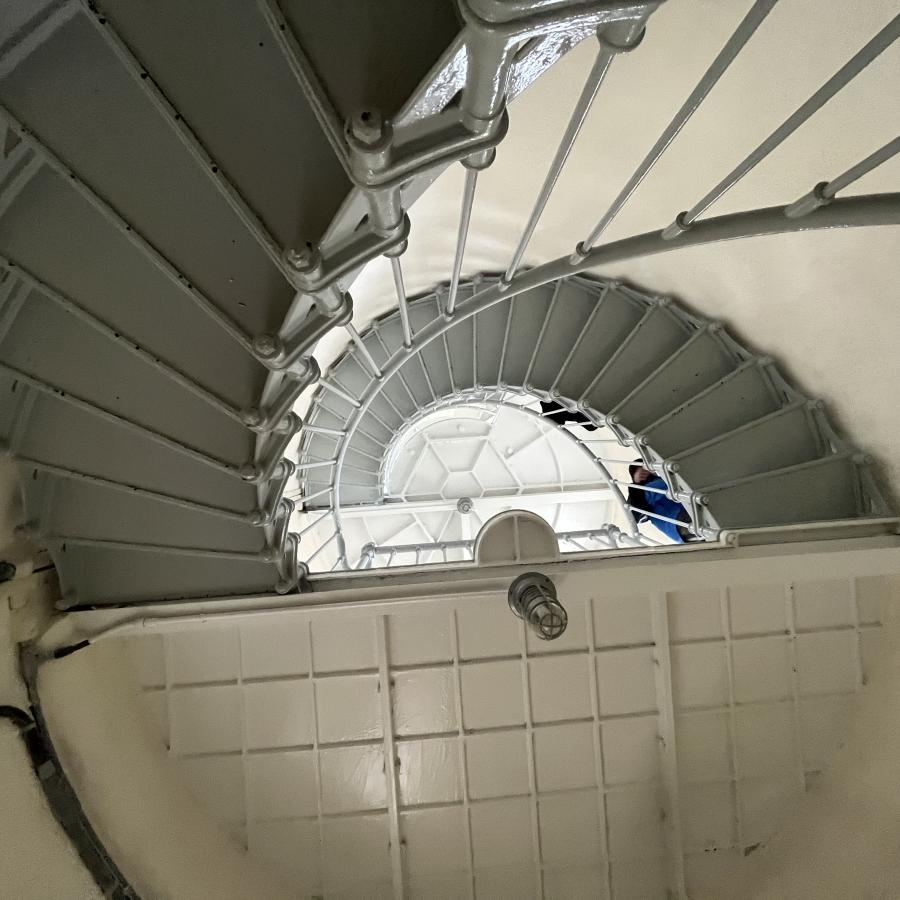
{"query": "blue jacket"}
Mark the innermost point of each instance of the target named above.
(663, 506)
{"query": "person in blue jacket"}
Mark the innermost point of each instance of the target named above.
(644, 502)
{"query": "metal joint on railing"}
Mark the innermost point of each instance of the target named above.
(274, 416)
(809, 202)
(678, 227)
(283, 353)
(280, 525)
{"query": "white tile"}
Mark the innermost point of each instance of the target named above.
(824, 726)
(871, 644)
(356, 849)
(765, 740)
(501, 833)
(349, 708)
(635, 823)
(704, 746)
(757, 609)
(707, 816)
(505, 883)
(424, 701)
(827, 662)
(821, 604)
(429, 771)
(573, 638)
(492, 694)
(154, 705)
(564, 756)
(343, 644)
(497, 763)
(643, 879)
(207, 654)
(353, 778)
(575, 884)
(631, 750)
(873, 593)
(217, 782)
(205, 719)
(622, 620)
(278, 714)
(275, 647)
(699, 675)
(455, 886)
(694, 614)
(291, 849)
(560, 687)
(570, 829)
(488, 628)
(765, 802)
(281, 785)
(762, 669)
(435, 840)
(625, 681)
(148, 657)
(415, 638)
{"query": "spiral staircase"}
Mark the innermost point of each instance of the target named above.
(194, 404)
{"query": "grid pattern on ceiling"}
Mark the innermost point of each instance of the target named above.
(522, 768)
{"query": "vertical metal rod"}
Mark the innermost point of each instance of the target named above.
(839, 80)
(401, 301)
(363, 349)
(465, 216)
(321, 547)
(312, 525)
(579, 114)
(727, 54)
(825, 192)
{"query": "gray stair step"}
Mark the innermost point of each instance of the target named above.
(64, 506)
(415, 377)
(786, 437)
(62, 435)
(106, 274)
(528, 316)
(616, 316)
(461, 349)
(571, 309)
(434, 354)
(138, 159)
(697, 364)
(52, 345)
(743, 395)
(99, 575)
(654, 339)
(820, 490)
(490, 336)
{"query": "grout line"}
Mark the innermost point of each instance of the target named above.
(167, 675)
(791, 620)
(238, 637)
(855, 616)
(391, 760)
(599, 773)
(725, 610)
(464, 781)
(532, 773)
(317, 761)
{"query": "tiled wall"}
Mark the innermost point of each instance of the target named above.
(522, 767)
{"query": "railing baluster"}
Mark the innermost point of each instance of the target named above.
(363, 349)
(727, 54)
(465, 216)
(633, 30)
(839, 80)
(401, 301)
